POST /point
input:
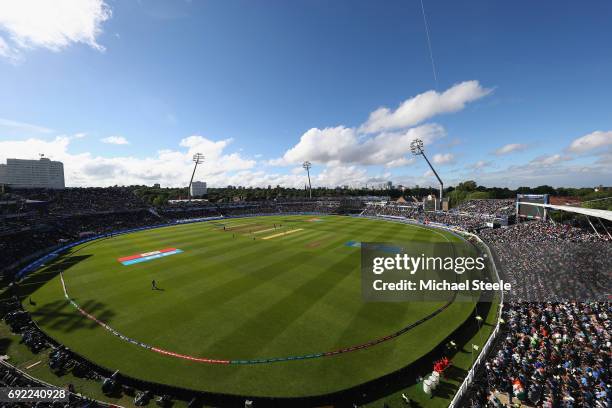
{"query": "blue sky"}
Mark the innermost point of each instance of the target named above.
(126, 91)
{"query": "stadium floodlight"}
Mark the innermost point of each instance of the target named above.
(197, 159)
(417, 148)
(307, 165)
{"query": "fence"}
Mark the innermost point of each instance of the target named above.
(469, 378)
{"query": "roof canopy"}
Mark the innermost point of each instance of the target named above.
(591, 212)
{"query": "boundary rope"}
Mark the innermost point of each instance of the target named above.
(209, 360)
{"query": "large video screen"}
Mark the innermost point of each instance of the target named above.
(531, 211)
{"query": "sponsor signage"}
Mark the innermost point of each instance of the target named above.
(148, 256)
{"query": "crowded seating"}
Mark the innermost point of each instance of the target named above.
(550, 355)
(554, 349)
(82, 200)
(95, 211)
(490, 207)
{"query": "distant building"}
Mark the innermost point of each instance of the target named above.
(3, 174)
(42, 173)
(198, 189)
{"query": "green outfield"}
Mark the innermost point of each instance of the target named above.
(249, 293)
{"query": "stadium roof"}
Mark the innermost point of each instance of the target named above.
(591, 212)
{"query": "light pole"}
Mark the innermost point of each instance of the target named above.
(307, 165)
(197, 159)
(416, 146)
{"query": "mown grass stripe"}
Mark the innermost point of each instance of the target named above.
(223, 282)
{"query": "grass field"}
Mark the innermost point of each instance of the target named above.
(259, 288)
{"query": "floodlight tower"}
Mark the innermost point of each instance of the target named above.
(197, 159)
(307, 165)
(416, 146)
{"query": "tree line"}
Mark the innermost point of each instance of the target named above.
(467, 190)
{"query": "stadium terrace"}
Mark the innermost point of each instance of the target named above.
(97, 230)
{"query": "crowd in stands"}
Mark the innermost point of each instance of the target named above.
(468, 218)
(549, 355)
(183, 212)
(84, 200)
(72, 214)
(547, 231)
(552, 262)
(488, 207)
(412, 211)
(467, 222)
(36, 235)
(199, 210)
(22, 245)
(554, 349)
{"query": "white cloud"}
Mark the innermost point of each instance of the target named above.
(30, 148)
(53, 25)
(591, 141)
(23, 127)
(341, 145)
(605, 158)
(116, 140)
(558, 174)
(323, 145)
(510, 148)
(403, 161)
(215, 161)
(339, 175)
(169, 167)
(549, 160)
(445, 158)
(424, 106)
(480, 164)
(172, 167)
(7, 52)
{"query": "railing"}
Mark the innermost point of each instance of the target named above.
(469, 378)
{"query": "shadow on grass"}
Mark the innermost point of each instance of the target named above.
(406, 377)
(455, 373)
(37, 279)
(61, 316)
(58, 315)
(447, 389)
